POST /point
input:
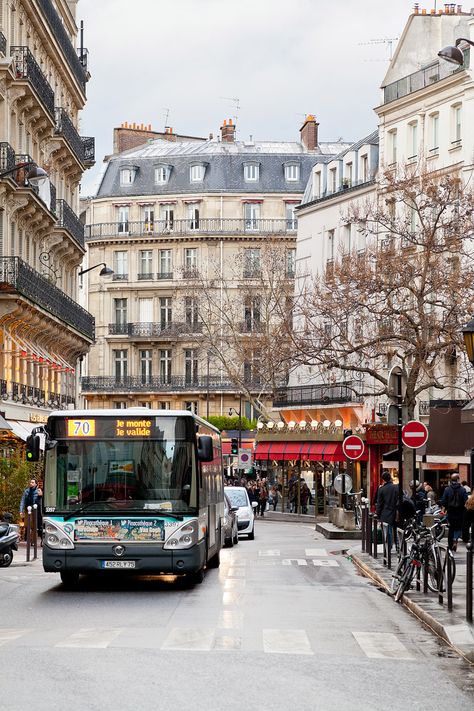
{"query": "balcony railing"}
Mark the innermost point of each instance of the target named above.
(422, 78)
(250, 327)
(164, 275)
(25, 66)
(88, 144)
(7, 158)
(145, 276)
(68, 220)
(83, 148)
(157, 330)
(158, 384)
(31, 395)
(212, 225)
(22, 278)
(58, 30)
(315, 395)
(3, 44)
(345, 186)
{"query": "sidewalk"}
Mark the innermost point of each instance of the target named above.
(451, 626)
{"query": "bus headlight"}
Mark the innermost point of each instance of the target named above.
(55, 537)
(183, 537)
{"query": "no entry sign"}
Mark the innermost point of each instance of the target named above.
(414, 434)
(353, 447)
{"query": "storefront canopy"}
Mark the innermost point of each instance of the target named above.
(302, 451)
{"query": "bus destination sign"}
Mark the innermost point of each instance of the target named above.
(133, 428)
(111, 428)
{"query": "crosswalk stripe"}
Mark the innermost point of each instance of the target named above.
(316, 552)
(8, 635)
(381, 645)
(190, 639)
(326, 563)
(90, 638)
(286, 642)
(289, 561)
(271, 552)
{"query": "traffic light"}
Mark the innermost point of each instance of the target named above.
(234, 445)
(347, 433)
(32, 448)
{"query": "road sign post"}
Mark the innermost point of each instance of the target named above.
(414, 435)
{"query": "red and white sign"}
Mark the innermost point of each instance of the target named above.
(414, 434)
(353, 447)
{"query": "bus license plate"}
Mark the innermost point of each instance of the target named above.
(118, 563)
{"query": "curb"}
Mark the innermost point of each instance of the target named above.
(421, 614)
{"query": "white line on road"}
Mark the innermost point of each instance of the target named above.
(299, 561)
(381, 645)
(273, 552)
(91, 638)
(315, 552)
(286, 642)
(326, 563)
(190, 638)
(8, 635)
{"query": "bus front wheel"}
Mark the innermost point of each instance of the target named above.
(69, 579)
(197, 577)
(215, 561)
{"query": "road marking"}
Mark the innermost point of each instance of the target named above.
(8, 635)
(381, 645)
(231, 619)
(271, 552)
(316, 552)
(289, 561)
(235, 573)
(459, 634)
(226, 642)
(326, 563)
(286, 642)
(90, 638)
(199, 639)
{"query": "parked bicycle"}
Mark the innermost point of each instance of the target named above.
(354, 503)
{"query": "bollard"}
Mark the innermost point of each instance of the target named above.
(375, 534)
(469, 554)
(390, 543)
(362, 528)
(35, 531)
(449, 583)
(440, 575)
(426, 562)
(28, 533)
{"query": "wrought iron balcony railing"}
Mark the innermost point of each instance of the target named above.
(16, 275)
(68, 220)
(250, 327)
(88, 144)
(156, 330)
(7, 157)
(59, 31)
(22, 162)
(164, 275)
(137, 383)
(3, 44)
(212, 225)
(83, 148)
(25, 66)
(344, 186)
(315, 395)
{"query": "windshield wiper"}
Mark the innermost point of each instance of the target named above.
(81, 509)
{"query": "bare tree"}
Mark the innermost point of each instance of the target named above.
(404, 298)
(244, 311)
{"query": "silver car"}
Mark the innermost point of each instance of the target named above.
(231, 532)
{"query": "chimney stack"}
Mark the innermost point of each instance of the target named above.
(309, 133)
(228, 132)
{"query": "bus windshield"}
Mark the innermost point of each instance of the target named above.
(123, 475)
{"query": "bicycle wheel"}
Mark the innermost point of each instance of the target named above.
(405, 581)
(445, 563)
(400, 569)
(435, 570)
(358, 517)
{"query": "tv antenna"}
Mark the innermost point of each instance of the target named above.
(166, 116)
(388, 41)
(236, 103)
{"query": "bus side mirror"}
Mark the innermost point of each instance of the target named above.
(205, 449)
(32, 448)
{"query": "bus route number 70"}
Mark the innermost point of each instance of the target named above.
(81, 428)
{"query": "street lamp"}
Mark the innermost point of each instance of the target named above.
(239, 413)
(36, 176)
(105, 271)
(468, 333)
(454, 54)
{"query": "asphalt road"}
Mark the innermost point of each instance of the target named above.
(284, 623)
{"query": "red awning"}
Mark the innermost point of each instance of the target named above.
(292, 450)
(312, 451)
(303, 451)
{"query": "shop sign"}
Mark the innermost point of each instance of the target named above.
(38, 417)
(381, 434)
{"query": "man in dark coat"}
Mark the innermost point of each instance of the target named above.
(387, 500)
(453, 501)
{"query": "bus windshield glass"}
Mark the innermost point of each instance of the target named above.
(148, 468)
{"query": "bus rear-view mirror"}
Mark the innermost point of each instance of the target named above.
(205, 449)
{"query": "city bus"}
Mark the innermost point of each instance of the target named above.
(135, 490)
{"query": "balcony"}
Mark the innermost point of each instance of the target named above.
(44, 205)
(163, 276)
(18, 277)
(154, 330)
(31, 395)
(26, 67)
(7, 158)
(250, 327)
(83, 148)
(315, 395)
(345, 186)
(212, 225)
(62, 38)
(3, 44)
(422, 78)
(137, 383)
(145, 276)
(69, 221)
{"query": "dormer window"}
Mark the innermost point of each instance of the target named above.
(251, 172)
(127, 175)
(292, 172)
(162, 174)
(196, 173)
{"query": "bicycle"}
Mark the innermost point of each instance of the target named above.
(354, 503)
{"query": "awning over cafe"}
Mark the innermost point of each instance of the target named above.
(302, 451)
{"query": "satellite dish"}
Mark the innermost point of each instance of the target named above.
(347, 484)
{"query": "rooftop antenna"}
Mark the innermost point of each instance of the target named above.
(166, 116)
(236, 101)
(388, 41)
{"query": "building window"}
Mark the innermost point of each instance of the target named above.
(165, 367)
(146, 361)
(412, 140)
(331, 245)
(292, 173)
(317, 185)
(145, 264)
(291, 221)
(190, 259)
(347, 180)
(144, 404)
(251, 216)
(161, 174)
(165, 311)
(434, 133)
(392, 146)
(333, 180)
(121, 266)
(252, 265)
(193, 217)
(290, 262)
(196, 173)
(190, 366)
(148, 218)
(145, 310)
(120, 358)
(251, 172)
(457, 123)
(191, 310)
(165, 264)
(120, 405)
(346, 238)
(252, 308)
(122, 219)
(252, 368)
(192, 406)
(165, 405)
(127, 176)
(167, 217)
(364, 168)
(120, 312)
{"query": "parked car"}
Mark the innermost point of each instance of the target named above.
(231, 531)
(239, 499)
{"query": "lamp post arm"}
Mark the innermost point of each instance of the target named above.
(463, 39)
(84, 271)
(17, 167)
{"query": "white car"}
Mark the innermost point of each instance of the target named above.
(239, 499)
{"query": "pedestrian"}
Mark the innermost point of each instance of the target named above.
(262, 498)
(453, 501)
(469, 519)
(466, 486)
(275, 496)
(386, 506)
(305, 496)
(430, 494)
(33, 495)
(420, 499)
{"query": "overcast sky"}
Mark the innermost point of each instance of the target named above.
(281, 60)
